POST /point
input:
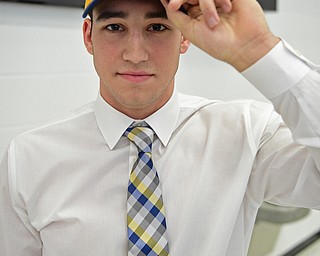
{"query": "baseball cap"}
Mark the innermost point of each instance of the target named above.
(88, 6)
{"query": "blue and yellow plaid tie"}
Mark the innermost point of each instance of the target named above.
(146, 219)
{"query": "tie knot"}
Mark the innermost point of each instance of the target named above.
(141, 135)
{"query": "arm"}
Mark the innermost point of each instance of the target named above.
(17, 236)
(292, 84)
(242, 38)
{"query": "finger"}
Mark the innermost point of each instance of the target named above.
(177, 5)
(173, 5)
(178, 17)
(212, 8)
(207, 7)
(209, 11)
(224, 5)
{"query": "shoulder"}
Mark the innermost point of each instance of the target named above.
(240, 116)
(254, 108)
(63, 126)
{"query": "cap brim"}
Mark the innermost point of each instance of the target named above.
(89, 8)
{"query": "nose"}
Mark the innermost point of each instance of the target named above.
(135, 49)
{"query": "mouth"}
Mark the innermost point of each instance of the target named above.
(135, 76)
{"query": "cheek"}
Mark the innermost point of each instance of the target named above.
(104, 58)
(168, 58)
(105, 46)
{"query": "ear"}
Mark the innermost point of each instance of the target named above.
(184, 45)
(86, 30)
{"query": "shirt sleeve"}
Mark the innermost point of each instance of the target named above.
(292, 84)
(17, 236)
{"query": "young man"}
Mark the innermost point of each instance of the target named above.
(64, 186)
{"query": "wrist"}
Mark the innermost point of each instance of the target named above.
(251, 52)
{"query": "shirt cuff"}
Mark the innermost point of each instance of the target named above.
(277, 71)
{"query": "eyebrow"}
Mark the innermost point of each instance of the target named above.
(109, 14)
(123, 15)
(158, 14)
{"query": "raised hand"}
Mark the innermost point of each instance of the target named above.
(232, 31)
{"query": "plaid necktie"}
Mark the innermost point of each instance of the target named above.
(146, 220)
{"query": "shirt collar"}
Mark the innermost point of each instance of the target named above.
(113, 123)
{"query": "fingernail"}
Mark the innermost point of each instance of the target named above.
(212, 22)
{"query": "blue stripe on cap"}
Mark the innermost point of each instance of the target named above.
(89, 8)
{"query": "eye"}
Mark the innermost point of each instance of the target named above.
(114, 27)
(157, 27)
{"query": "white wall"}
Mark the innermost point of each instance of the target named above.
(45, 70)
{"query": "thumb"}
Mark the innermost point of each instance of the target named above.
(178, 17)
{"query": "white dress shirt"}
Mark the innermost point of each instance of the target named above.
(64, 185)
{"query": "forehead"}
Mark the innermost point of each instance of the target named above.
(147, 8)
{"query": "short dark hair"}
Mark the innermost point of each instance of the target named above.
(90, 15)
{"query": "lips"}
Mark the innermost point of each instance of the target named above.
(135, 76)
